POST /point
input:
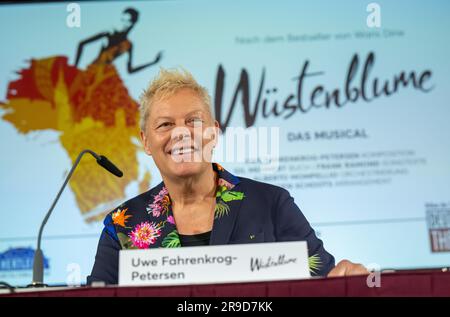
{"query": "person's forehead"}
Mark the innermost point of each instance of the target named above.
(175, 114)
(180, 103)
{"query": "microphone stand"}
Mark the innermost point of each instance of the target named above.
(38, 261)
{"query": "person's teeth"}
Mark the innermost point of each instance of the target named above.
(182, 151)
(185, 151)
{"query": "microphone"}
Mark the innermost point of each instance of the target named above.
(38, 261)
(109, 166)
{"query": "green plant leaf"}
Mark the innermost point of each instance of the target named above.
(315, 263)
(231, 195)
(172, 240)
(221, 209)
(220, 190)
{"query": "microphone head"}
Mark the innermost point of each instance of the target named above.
(109, 166)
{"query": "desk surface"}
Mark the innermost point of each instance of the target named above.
(404, 283)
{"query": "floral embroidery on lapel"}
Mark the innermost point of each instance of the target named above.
(119, 217)
(160, 204)
(221, 209)
(145, 234)
(224, 195)
(231, 195)
(172, 240)
(171, 220)
(224, 185)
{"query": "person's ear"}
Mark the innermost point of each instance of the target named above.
(144, 141)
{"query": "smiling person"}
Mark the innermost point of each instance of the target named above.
(199, 202)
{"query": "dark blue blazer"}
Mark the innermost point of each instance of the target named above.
(247, 212)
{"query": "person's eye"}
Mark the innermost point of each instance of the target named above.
(195, 120)
(164, 125)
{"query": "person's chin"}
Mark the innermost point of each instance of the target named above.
(185, 168)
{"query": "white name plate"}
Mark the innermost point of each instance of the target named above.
(214, 264)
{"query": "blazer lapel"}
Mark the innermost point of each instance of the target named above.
(231, 200)
(223, 226)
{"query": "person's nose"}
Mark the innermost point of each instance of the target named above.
(180, 133)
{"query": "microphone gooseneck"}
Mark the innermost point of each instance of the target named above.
(38, 261)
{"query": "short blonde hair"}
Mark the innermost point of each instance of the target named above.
(165, 84)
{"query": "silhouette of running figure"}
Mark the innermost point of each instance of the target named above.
(118, 44)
